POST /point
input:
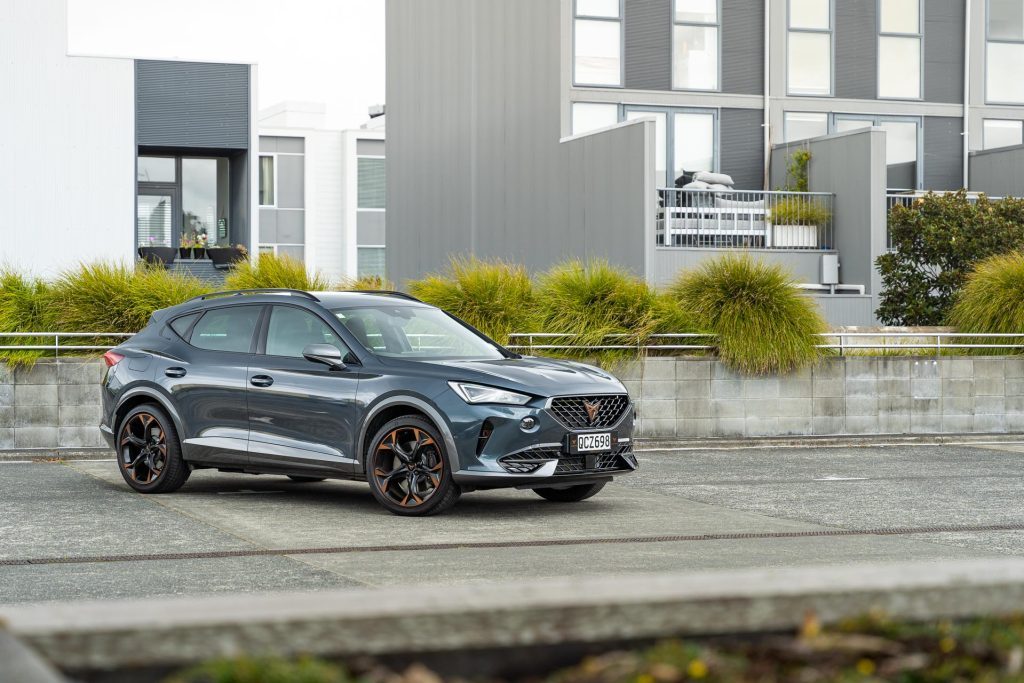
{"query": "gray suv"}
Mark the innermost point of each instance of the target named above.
(370, 386)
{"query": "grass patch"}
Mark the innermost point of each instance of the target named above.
(493, 296)
(25, 306)
(263, 670)
(268, 272)
(764, 324)
(992, 301)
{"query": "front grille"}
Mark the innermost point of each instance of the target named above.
(571, 411)
(603, 462)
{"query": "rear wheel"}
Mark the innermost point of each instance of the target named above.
(572, 494)
(407, 467)
(305, 480)
(148, 451)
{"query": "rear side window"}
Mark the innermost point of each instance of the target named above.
(226, 329)
(181, 325)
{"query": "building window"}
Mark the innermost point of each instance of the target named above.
(693, 144)
(370, 262)
(267, 176)
(661, 140)
(803, 125)
(899, 49)
(1002, 133)
(156, 170)
(597, 52)
(371, 183)
(588, 116)
(1004, 52)
(902, 146)
(695, 31)
(809, 56)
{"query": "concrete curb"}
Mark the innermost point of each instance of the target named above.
(45, 454)
(90, 636)
(828, 441)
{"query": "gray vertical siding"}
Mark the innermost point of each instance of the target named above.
(192, 104)
(943, 153)
(647, 47)
(741, 147)
(998, 172)
(944, 24)
(742, 47)
(856, 49)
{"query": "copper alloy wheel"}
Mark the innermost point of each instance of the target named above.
(143, 448)
(407, 466)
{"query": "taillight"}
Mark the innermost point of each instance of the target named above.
(112, 359)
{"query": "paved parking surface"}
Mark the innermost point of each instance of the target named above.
(789, 502)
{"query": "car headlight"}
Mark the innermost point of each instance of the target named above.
(478, 393)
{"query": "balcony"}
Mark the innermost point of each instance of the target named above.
(744, 219)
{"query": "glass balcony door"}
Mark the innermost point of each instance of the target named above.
(155, 212)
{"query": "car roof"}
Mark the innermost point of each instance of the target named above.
(361, 299)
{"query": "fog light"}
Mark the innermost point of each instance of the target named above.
(528, 423)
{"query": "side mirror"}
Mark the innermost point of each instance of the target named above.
(326, 354)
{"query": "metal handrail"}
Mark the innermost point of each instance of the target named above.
(56, 346)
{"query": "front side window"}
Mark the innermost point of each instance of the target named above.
(291, 330)
(695, 45)
(597, 49)
(899, 49)
(267, 181)
(1004, 52)
(804, 125)
(809, 41)
(414, 333)
(1002, 133)
(226, 329)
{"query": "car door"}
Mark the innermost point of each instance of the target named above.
(208, 384)
(301, 413)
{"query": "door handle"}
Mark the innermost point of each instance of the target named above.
(175, 372)
(261, 380)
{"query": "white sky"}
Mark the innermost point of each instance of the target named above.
(329, 51)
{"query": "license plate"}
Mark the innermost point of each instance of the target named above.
(590, 443)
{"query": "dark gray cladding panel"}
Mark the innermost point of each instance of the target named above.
(742, 147)
(856, 50)
(944, 24)
(192, 104)
(647, 26)
(943, 153)
(742, 47)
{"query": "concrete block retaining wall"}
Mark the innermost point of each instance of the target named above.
(57, 404)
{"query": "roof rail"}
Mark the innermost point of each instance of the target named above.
(386, 292)
(243, 292)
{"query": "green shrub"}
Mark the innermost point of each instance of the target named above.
(936, 242)
(25, 306)
(992, 300)
(763, 323)
(796, 170)
(593, 300)
(269, 271)
(365, 283)
(493, 296)
(798, 211)
(263, 670)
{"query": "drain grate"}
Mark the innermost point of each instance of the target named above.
(565, 542)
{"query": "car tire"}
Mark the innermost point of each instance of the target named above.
(306, 480)
(149, 451)
(408, 469)
(572, 494)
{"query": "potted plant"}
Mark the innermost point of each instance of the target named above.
(185, 247)
(157, 254)
(797, 221)
(199, 246)
(225, 257)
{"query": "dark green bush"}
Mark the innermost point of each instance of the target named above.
(269, 271)
(762, 322)
(493, 296)
(992, 300)
(263, 670)
(936, 241)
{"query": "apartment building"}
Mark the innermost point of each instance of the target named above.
(321, 190)
(565, 128)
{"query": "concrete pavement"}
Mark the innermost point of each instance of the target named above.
(83, 509)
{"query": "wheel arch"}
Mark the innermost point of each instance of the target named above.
(397, 406)
(140, 396)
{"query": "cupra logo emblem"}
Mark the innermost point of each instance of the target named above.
(592, 409)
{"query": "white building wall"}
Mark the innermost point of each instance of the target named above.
(67, 145)
(326, 247)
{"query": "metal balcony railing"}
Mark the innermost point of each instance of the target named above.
(744, 219)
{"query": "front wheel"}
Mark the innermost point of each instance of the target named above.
(148, 451)
(572, 494)
(407, 467)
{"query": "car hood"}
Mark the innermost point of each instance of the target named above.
(537, 376)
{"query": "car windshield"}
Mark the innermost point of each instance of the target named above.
(414, 333)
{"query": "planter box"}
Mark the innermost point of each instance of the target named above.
(224, 257)
(158, 255)
(796, 236)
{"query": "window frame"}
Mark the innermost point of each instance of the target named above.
(718, 45)
(620, 20)
(830, 32)
(253, 342)
(920, 52)
(984, 142)
(876, 120)
(273, 157)
(1001, 41)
